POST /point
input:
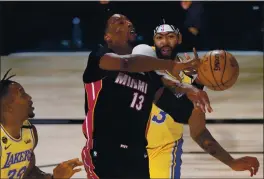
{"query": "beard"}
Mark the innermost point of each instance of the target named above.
(172, 56)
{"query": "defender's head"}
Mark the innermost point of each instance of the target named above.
(119, 31)
(166, 38)
(14, 100)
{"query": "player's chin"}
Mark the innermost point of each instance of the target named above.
(132, 37)
(166, 56)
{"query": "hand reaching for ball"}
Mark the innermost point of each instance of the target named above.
(188, 65)
(195, 59)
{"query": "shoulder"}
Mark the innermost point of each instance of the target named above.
(144, 49)
(27, 125)
(35, 133)
(98, 51)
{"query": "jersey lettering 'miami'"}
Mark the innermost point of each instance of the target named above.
(128, 81)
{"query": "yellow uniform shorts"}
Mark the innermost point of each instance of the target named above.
(165, 161)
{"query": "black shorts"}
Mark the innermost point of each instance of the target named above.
(116, 161)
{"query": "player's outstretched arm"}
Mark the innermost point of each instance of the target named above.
(133, 63)
(197, 96)
(201, 135)
(64, 170)
(142, 59)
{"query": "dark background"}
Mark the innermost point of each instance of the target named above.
(42, 26)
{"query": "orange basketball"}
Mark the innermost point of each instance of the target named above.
(219, 70)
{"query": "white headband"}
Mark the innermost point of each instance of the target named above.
(166, 28)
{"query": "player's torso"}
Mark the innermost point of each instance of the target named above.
(16, 153)
(123, 105)
(162, 129)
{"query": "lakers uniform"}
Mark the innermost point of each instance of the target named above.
(165, 132)
(16, 153)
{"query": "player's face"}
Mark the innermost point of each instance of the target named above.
(121, 30)
(165, 43)
(22, 102)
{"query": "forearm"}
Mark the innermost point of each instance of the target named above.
(133, 63)
(36, 173)
(206, 141)
(176, 86)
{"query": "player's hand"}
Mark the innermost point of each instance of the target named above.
(67, 169)
(187, 64)
(200, 99)
(245, 163)
(196, 58)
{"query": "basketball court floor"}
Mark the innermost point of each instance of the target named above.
(55, 83)
(63, 142)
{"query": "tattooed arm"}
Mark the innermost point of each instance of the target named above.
(205, 140)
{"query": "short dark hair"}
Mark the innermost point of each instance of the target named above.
(4, 84)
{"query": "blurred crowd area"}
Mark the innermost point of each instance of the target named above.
(78, 26)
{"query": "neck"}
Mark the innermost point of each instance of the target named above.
(12, 125)
(121, 49)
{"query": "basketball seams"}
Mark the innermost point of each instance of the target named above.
(223, 71)
(226, 78)
(212, 70)
(201, 72)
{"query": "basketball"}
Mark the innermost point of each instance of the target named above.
(219, 70)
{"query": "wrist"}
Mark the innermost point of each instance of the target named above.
(188, 88)
(229, 162)
(169, 65)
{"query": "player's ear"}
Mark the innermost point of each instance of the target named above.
(107, 38)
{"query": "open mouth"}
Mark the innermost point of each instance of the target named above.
(166, 50)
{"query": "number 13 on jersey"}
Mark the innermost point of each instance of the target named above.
(137, 101)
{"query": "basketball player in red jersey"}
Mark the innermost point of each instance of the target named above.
(19, 137)
(120, 91)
